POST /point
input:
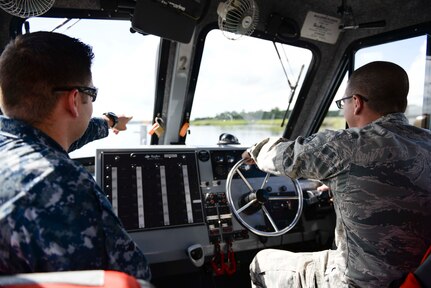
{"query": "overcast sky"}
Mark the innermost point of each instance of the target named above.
(241, 75)
(124, 64)
(234, 75)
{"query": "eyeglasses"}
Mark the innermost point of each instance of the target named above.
(340, 102)
(90, 91)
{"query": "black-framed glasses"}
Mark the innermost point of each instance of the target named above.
(90, 91)
(340, 102)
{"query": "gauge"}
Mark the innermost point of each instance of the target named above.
(203, 155)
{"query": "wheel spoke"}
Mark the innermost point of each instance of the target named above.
(246, 206)
(265, 180)
(254, 205)
(283, 198)
(269, 218)
(245, 180)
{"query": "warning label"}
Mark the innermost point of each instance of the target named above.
(321, 27)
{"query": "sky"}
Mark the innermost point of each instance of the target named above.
(234, 75)
(124, 66)
(240, 73)
(409, 54)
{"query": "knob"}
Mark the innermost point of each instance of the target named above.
(196, 254)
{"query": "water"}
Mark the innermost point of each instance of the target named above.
(136, 136)
(247, 135)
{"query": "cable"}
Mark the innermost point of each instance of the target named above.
(282, 65)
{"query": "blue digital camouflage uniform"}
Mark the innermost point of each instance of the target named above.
(380, 176)
(53, 215)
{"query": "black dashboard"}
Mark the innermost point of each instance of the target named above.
(172, 200)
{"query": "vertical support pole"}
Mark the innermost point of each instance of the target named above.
(426, 110)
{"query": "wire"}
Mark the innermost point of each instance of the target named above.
(61, 25)
(292, 88)
(73, 24)
(64, 23)
(282, 65)
(287, 60)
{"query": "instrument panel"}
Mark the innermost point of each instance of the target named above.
(172, 198)
(152, 189)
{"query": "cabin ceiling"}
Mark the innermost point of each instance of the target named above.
(400, 11)
(396, 13)
(399, 15)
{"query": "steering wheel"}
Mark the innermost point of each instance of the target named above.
(257, 200)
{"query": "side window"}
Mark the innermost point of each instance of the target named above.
(334, 119)
(123, 71)
(411, 54)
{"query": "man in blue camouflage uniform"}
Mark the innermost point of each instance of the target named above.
(53, 216)
(380, 175)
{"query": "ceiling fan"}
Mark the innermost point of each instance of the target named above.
(26, 8)
(237, 18)
(348, 21)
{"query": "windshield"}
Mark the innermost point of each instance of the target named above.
(244, 88)
(124, 70)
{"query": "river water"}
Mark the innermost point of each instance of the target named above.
(136, 136)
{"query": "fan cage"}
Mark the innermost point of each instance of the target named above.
(26, 8)
(239, 18)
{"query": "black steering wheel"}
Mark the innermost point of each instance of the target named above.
(252, 201)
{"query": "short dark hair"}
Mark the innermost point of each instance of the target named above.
(385, 84)
(33, 64)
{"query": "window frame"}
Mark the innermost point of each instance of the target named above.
(347, 62)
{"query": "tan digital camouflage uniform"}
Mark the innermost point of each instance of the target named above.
(380, 176)
(53, 215)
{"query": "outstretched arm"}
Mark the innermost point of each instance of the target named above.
(98, 128)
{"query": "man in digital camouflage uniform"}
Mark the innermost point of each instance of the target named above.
(380, 175)
(53, 216)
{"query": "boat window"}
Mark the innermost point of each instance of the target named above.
(334, 119)
(124, 70)
(411, 54)
(243, 88)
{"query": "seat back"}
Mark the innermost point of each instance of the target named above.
(421, 278)
(423, 272)
(73, 279)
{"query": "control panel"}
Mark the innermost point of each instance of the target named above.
(175, 197)
(151, 189)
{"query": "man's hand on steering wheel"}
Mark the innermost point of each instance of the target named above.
(247, 157)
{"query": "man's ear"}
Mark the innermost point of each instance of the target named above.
(72, 102)
(358, 105)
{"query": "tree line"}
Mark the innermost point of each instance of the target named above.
(274, 113)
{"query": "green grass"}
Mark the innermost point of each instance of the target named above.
(273, 124)
(235, 122)
(333, 123)
(221, 123)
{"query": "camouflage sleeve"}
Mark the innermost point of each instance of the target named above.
(97, 129)
(68, 224)
(317, 157)
(123, 253)
(264, 154)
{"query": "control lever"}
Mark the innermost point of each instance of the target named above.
(196, 254)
